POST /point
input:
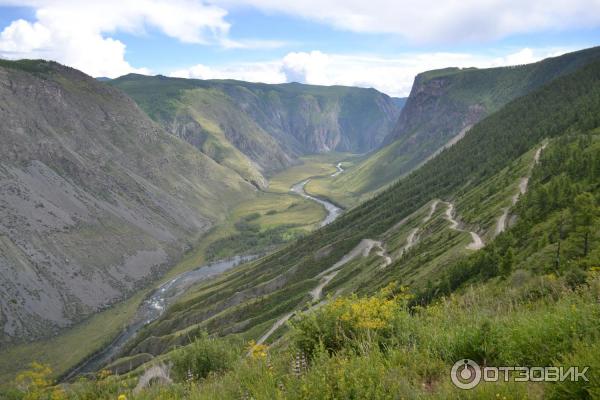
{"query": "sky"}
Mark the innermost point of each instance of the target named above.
(367, 43)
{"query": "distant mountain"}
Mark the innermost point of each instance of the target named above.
(96, 199)
(257, 128)
(442, 105)
(103, 79)
(400, 102)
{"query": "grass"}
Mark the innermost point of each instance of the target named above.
(311, 166)
(357, 184)
(376, 348)
(81, 340)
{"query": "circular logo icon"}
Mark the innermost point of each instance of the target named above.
(465, 374)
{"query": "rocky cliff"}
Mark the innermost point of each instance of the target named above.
(442, 105)
(266, 126)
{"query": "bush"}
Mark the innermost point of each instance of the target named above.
(575, 277)
(585, 355)
(351, 322)
(205, 355)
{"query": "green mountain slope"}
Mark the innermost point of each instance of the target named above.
(471, 183)
(258, 129)
(443, 104)
(96, 199)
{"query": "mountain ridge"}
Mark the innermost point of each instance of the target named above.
(266, 125)
(442, 104)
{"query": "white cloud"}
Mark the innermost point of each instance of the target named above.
(439, 21)
(73, 32)
(393, 76)
(266, 72)
(227, 43)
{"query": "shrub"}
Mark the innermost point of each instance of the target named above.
(575, 277)
(205, 355)
(351, 322)
(585, 355)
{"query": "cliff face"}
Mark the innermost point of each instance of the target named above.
(267, 125)
(442, 105)
(443, 102)
(432, 114)
(96, 199)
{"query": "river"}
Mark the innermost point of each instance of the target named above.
(333, 211)
(339, 170)
(152, 308)
(155, 305)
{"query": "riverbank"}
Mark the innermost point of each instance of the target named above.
(156, 303)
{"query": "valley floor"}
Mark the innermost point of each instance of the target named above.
(273, 212)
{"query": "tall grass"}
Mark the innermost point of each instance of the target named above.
(377, 348)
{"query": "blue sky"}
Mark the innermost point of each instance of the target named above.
(375, 43)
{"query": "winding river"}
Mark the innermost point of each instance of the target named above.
(333, 211)
(155, 305)
(339, 170)
(152, 308)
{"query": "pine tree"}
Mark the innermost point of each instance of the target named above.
(584, 213)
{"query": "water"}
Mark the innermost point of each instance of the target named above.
(153, 307)
(339, 170)
(333, 211)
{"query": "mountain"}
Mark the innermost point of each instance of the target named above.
(258, 129)
(96, 199)
(435, 230)
(400, 102)
(442, 106)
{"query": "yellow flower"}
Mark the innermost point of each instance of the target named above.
(257, 351)
(122, 397)
(105, 373)
(368, 313)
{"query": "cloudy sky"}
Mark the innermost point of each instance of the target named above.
(369, 43)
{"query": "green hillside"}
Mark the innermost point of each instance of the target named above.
(392, 320)
(442, 105)
(258, 129)
(247, 301)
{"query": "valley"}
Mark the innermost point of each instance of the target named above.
(166, 294)
(287, 211)
(244, 240)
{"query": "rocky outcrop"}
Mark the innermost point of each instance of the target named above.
(271, 125)
(432, 115)
(443, 104)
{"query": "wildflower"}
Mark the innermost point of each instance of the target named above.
(257, 351)
(36, 379)
(122, 397)
(369, 313)
(103, 374)
(58, 393)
